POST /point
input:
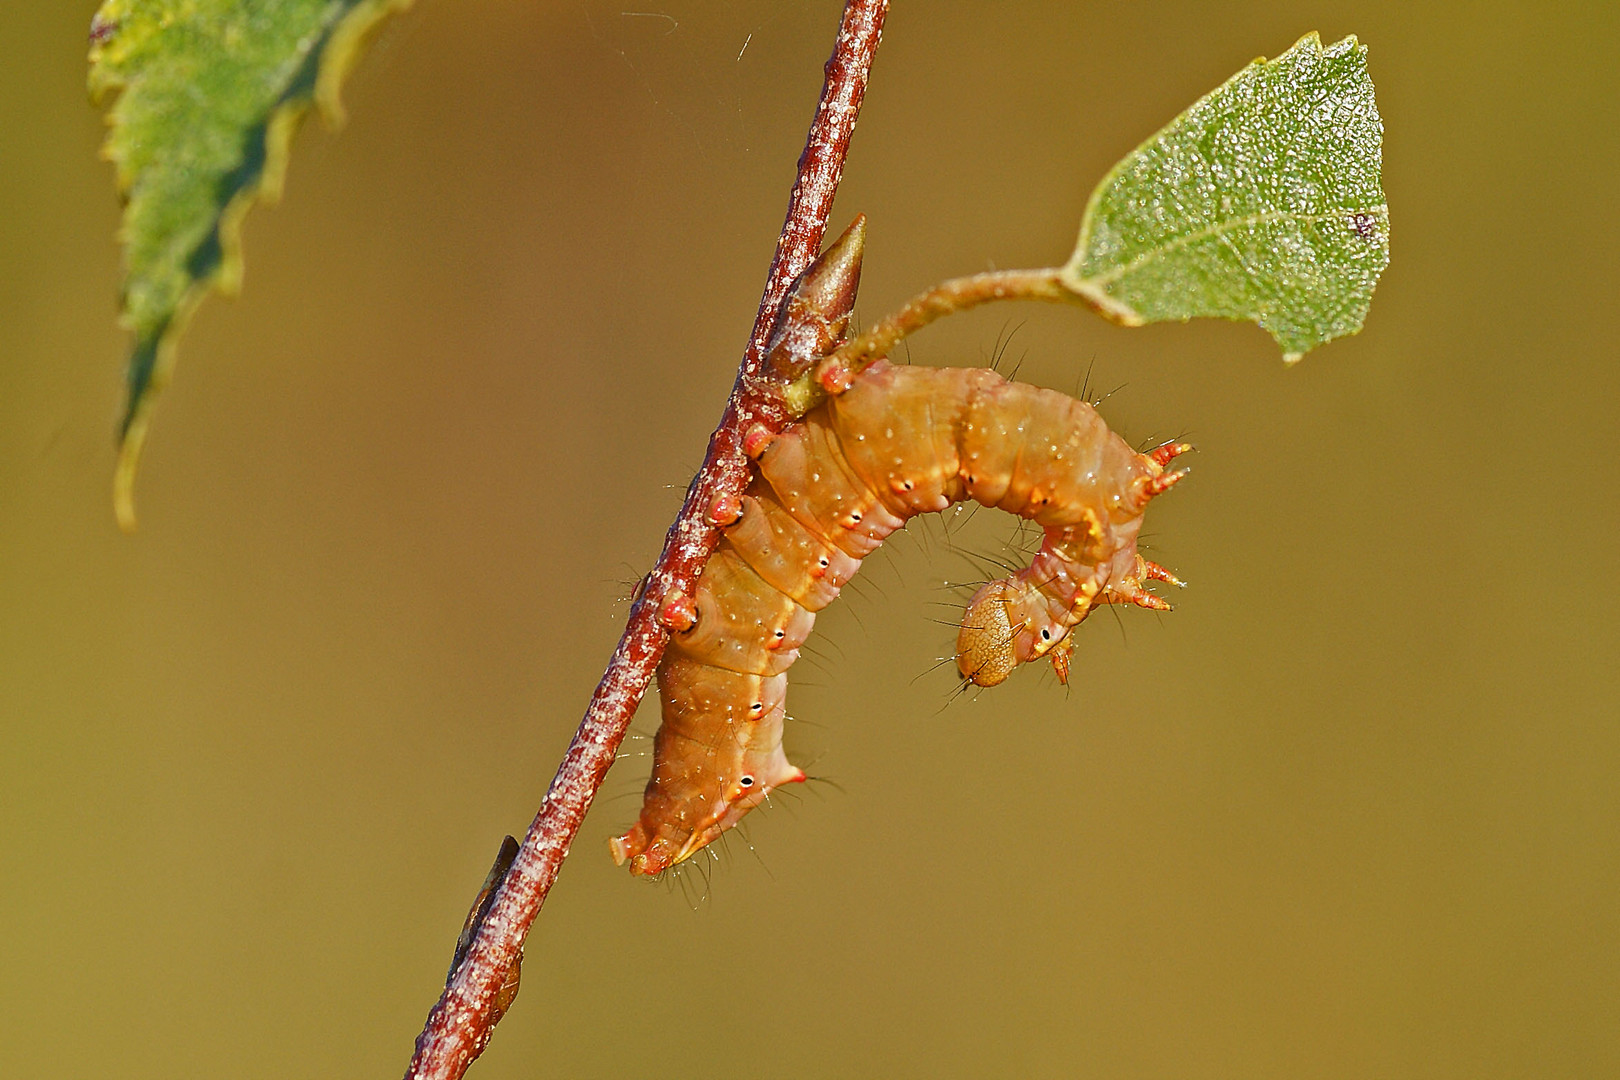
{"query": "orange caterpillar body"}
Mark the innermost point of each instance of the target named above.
(899, 442)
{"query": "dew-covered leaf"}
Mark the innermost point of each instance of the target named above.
(208, 95)
(1262, 202)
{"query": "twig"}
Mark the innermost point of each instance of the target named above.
(943, 299)
(460, 1024)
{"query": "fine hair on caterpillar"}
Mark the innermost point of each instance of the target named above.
(894, 443)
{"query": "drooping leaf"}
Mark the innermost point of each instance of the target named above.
(209, 94)
(1261, 202)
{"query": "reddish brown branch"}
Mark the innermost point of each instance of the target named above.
(460, 1024)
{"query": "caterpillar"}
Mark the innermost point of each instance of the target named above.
(898, 442)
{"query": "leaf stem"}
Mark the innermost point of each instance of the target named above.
(946, 298)
(461, 1022)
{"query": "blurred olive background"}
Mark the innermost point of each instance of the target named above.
(1351, 811)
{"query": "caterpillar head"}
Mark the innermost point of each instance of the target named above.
(985, 653)
(1005, 625)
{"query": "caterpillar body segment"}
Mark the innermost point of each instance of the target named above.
(898, 442)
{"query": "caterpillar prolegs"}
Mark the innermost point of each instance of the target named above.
(899, 442)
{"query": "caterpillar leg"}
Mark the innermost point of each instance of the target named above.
(1154, 572)
(1059, 655)
(1129, 589)
(1163, 455)
(1143, 598)
(1149, 488)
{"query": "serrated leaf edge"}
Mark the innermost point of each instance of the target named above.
(1093, 290)
(344, 42)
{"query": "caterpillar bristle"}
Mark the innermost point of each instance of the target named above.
(812, 785)
(930, 669)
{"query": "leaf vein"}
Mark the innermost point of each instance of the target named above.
(1222, 229)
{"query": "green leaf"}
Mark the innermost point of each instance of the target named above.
(209, 94)
(1261, 202)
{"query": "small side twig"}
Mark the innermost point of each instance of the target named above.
(834, 372)
(460, 1024)
(948, 297)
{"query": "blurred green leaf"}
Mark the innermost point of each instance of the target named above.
(1261, 202)
(209, 94)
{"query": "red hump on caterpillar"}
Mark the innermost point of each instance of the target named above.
(898, 442)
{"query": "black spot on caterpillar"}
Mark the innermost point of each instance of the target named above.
(898, 442)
